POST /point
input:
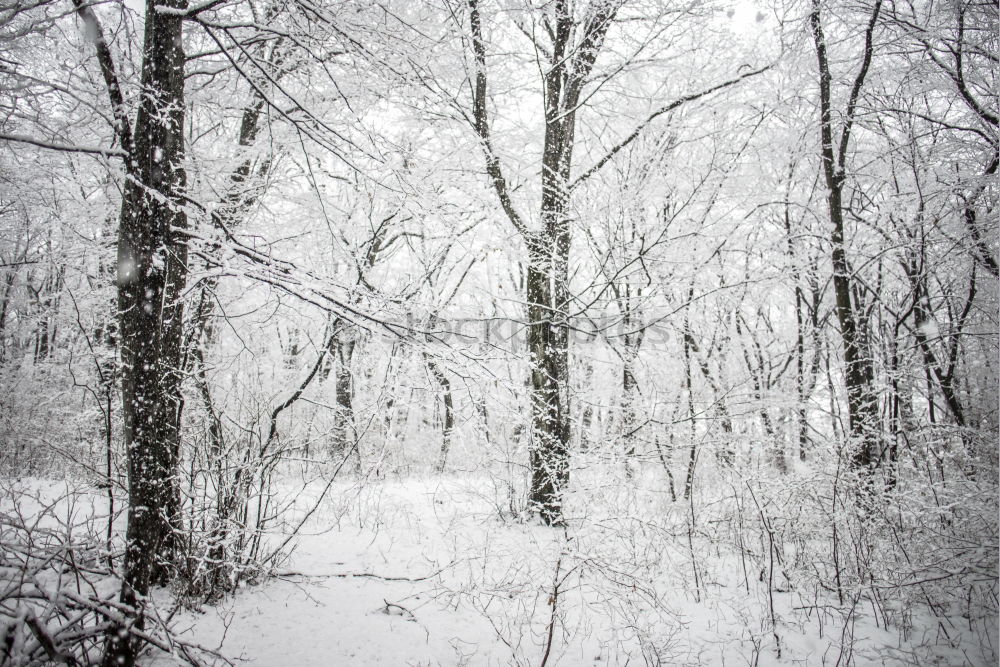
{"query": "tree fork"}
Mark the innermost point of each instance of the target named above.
(862, 401)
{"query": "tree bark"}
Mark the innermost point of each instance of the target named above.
(549, 446)
(344, 434)
(862, 400)
(449, 411)
(688, 338)
(574, 49)
(152, 266)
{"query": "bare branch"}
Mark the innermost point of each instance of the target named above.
(656, 114)
(123, 128)
(67, 148)
(859, 81)
(482, 123)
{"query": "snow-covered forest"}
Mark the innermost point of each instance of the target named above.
(499, 332)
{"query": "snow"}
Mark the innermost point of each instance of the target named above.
(437, 571)
(481, 593)
(316, 613)
(126, 269)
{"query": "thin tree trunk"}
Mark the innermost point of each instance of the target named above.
(724, 452)
(689, 390)
(632, 342)
(8, 288)
(982, 251)
(665, 457)
(760, 384)
(862, 400)
(449, 411)
(945, 379)
(344, 434)
(484, 416)
(587, 411)
(802, 387)
(629, 389)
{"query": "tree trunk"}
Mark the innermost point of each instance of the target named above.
(724, 452)
(587, 411)
(862, 400)
(689, 391)
(8, 288)
(922, 319)
(569, 63)
(629, 389)
(449, 412)
(549, 450)
(761, 385)
(344, 434)
(152, 266)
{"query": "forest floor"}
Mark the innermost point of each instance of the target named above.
(439, 572)
(361, 588)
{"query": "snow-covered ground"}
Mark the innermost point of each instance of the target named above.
(436, 572)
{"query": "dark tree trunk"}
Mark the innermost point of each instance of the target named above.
(8, 288)
(862, 399)
(761, 385)
(574, 48)
(344, 435)
(725, 452)
(47, 300)
(631, 344)
(587, 409)
(689, 391)
(152, 265)
(548, 257)
(549, 450)
(449, 411)
(201, 333)
(982, 250)
(629, 389)
(922, 318)
(805, 380)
